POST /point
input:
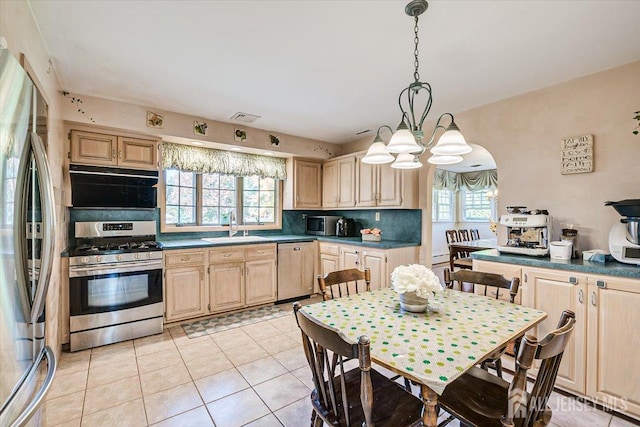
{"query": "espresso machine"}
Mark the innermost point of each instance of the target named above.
(527, 233)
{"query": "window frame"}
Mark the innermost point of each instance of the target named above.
(436, 204)
(463, 205)
(173, 228)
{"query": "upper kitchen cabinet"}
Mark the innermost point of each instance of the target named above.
(384, 186)
(338, 183)
(303, 185)
(102, 149)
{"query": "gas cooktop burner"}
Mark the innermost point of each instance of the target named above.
(116, 247)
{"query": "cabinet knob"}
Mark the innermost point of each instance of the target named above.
(227, 255)
(120, 154)
(601, 284)
(573, 280)
(580, 296)
(593, 299)
(185, 258)
(297, 249)
(114, 154)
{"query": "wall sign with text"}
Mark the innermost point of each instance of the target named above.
(576, 154)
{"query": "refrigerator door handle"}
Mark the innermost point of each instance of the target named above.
(44, 389)
(48, 226)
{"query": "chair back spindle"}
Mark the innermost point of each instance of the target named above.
(344, 283)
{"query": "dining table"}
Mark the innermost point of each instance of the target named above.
(432, 348)
(462, 249)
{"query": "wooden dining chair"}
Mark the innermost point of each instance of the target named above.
(487, 280)
(475, 234)
(464, 234)
(344, 282)
(480, 399)
(452, 236)
(358, 397)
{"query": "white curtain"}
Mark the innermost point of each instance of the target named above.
(473, 181)
(207, 160)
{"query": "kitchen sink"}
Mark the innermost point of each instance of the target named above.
(235, 239)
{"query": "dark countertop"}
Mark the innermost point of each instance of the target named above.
(612, 268)
(285, 238)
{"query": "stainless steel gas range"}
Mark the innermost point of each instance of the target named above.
(115, 283)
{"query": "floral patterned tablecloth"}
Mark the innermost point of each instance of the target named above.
(434, 348)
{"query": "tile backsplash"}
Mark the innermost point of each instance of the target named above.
(396, 224)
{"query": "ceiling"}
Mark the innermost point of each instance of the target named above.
(327, 69)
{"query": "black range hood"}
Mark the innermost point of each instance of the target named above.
(102, 187)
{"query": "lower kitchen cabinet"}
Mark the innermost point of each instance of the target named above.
(613, 371)
(226, 290)
(554, 291)
(381, 262)
(184, 290)
(599, 360)
(260, 281)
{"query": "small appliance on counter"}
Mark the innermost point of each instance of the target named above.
(569, 236)
(527, 234)
(624, 238)
(324, 225)
(346, 227)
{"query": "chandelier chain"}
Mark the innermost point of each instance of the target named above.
(416, 40)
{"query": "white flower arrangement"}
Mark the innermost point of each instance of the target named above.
(415, 278)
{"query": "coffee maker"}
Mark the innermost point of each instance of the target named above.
(527, 234)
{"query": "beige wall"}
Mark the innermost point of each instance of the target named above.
(18, 27)
(523, 134)
(179, 127)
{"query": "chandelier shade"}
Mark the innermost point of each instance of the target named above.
(406, 142)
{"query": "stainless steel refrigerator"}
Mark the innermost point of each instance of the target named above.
(27, 221)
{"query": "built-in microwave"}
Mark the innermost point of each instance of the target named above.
(324, 225)
(102, 187)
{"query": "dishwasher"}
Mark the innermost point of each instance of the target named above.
(296, 277)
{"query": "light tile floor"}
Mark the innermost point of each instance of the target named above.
(253, 376)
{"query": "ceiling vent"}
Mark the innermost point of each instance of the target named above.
(244, 117)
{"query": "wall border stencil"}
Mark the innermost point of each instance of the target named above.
(154, 120)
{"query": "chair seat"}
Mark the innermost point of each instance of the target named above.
(478, 398)
(463, 263)
(393, 406)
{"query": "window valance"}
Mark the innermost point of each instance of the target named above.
(208, 160)
(473, 181)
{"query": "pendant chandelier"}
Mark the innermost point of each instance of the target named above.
(406, 142)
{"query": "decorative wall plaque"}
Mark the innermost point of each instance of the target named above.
(576, 154)
(200, 128)
(154, 120)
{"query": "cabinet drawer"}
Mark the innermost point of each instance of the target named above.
(260, 252)
(178, 258)
(226, 254)
(329, 248)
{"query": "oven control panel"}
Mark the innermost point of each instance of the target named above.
(117, 226)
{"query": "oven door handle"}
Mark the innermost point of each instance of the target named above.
(114, 268)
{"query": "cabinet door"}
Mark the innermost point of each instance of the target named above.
(138, 153)
(330, 194)
(184, 293)
(307, 184)
(367, 183)
(350, 258)
(346, 182)
(389, 186)
(94, 148)
(613, 342)
(329, 263)
(376, 261)
(226, 286)
(553, 291)
(260, 282)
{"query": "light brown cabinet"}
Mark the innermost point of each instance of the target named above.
(241, 276)
(379, 185)
(303, 187)
(613, 342)
(598, 360)
(184, 290)
(553, 291)
(338, 183)
(92, 148)
(381, 262)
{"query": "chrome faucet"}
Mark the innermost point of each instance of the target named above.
(232, 231)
